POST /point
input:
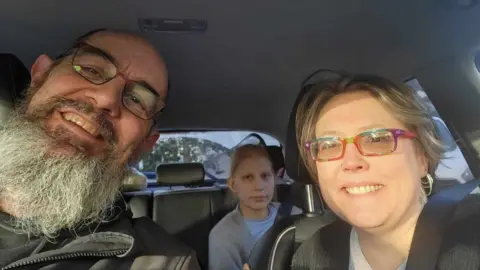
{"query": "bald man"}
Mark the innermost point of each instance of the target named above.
(87, 115)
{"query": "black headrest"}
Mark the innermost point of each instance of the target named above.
(184, 174)
(14, 78)
(294, 165)
(276, 155)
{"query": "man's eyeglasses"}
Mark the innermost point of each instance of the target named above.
(376, 142)
(98, 68)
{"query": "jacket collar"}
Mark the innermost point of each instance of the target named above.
(115, 238)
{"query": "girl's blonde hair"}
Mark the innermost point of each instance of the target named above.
(248, 151)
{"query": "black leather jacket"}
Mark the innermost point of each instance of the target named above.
(124, 243)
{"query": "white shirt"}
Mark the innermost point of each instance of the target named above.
(357, 260)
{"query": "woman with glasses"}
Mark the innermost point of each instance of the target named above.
(373, 149)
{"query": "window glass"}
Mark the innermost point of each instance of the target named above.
(211, 148)
(453, 167)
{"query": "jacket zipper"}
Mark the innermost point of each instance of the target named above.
(66, 257)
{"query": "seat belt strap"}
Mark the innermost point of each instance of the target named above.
(436, 216)
(284, 210)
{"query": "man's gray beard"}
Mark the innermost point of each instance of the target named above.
(48, 193)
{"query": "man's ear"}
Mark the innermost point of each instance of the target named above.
(145, 147)
(39, 70)
(150, 141)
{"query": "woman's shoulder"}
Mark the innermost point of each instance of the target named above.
(461, 243)
(468, 209)
(465, 223)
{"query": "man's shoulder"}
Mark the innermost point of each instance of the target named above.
(465, 222)
(468, 207)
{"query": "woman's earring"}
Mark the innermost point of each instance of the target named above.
(427, 184)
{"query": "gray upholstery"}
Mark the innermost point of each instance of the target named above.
(182, 174)
(189, 214)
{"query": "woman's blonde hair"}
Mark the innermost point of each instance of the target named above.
(397, 98)
(247, 151)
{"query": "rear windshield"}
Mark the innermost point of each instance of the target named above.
(211, 148)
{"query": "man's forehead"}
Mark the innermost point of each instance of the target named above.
(134, 57)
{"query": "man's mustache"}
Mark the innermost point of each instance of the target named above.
(105, 126)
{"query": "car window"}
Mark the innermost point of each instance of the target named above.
(453, 167)
(211, 148)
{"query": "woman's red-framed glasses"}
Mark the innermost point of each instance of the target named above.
(377, 142)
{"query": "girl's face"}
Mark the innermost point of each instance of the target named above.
(254, 182)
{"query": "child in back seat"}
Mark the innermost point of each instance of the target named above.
(252, 180)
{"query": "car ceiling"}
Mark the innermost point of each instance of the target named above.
(245, 70)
